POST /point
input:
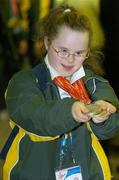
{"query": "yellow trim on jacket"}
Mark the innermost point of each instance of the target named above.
(34, 137)
(12, 156)
(100, 155)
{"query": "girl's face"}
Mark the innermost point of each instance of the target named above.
(67, 51)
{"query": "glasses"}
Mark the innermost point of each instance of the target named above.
(64, 53)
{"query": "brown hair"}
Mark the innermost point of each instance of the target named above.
(67, 16)
(63, 15)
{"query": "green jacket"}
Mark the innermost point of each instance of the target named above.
(43, 118)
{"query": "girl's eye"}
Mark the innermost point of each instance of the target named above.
(64, 50)
(79, 53)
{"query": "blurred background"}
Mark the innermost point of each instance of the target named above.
(19, 50)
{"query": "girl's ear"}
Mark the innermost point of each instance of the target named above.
(46, 42)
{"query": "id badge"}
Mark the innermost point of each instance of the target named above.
(70, 173)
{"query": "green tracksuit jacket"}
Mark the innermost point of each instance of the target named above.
(43, 118)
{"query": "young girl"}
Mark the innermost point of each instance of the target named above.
(61, 107)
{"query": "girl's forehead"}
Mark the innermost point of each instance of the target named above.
(69, 37)
(65, 31)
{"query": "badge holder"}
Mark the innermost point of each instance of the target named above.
(71, 172)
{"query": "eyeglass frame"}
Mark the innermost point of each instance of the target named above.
(68, 54)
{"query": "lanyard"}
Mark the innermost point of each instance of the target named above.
(63, 147)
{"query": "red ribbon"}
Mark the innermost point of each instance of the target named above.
(76, 90)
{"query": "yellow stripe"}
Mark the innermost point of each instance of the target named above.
(100, 155)
(34, 137)
(12, 156)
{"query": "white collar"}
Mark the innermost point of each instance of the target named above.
(77, 75)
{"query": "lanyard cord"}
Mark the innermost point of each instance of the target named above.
(63, 148)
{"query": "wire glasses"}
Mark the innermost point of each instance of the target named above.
(63, 53)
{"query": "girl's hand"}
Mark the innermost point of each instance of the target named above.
(80, 112)
(107, 110)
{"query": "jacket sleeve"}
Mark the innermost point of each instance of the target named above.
(28, 108)
(104, 91)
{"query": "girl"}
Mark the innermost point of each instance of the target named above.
(61, 119)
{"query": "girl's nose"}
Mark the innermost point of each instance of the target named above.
(71, 58)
